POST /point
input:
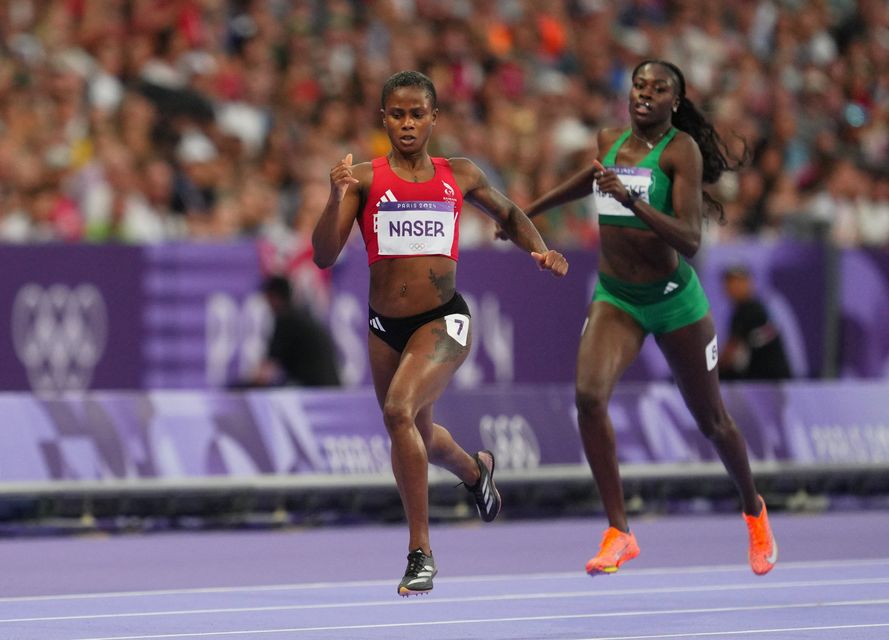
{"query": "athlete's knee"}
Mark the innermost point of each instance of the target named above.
(591, 403)
(718, 427)
(397, 416)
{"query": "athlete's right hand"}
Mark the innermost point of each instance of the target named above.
(341, 177)
(609, 183)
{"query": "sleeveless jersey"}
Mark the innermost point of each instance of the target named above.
(403, 219)
(646, 179)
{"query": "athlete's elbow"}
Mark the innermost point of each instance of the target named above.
(690, 248)
(322, 261)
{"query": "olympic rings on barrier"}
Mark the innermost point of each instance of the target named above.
(59, 334)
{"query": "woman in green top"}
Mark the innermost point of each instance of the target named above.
(648, 191)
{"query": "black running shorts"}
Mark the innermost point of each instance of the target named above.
(397, 331)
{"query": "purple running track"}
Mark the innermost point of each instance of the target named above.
(508, 580)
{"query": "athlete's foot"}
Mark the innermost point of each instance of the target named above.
(763, 553)
(616, 548)
(487, 498)
(418, 576)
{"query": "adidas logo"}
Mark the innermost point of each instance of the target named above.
(387, 197)
(376, 324)
(671, 286)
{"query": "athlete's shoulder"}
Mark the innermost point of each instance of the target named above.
(607, 137)
(460, 164)
(682, 144)
(682, 138)
(466, 169)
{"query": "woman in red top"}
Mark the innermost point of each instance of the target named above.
(408, 205)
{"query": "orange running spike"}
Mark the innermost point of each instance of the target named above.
(616, 548)
(763, 551)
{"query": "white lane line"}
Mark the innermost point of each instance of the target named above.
(573, 616)
(746, 632)
(398, 602)
(563, 575)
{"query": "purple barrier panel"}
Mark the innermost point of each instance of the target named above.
(328, 431)
(525, 427)
(23, 430)
(758, 411)
(110, 317)
(72, 317)
(193, 434)
(790, 278)
(206, 434)
(189, 316)
(205, 322)
(864, 309)
(846, 422)
(527, 322)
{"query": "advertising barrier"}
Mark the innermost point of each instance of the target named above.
(177, 436)
(190, 316)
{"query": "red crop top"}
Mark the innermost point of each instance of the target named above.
(403, 219)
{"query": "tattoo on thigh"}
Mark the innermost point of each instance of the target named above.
(447, 349)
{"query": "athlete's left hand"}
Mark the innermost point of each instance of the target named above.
(552, 261)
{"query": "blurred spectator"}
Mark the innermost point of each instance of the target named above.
(301, 350)
(158, 120)
(195, 183)
(754, 350)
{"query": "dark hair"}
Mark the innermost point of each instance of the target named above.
(714, 152)
(409, 79)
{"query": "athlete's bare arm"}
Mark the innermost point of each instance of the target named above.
(578, 186)
(518, 227)
(347, 183)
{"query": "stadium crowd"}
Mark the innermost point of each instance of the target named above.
(156, 120)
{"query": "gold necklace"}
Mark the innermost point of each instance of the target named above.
(648, 144)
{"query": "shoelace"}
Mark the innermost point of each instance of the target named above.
(759, 533)
(415, 562)
(610, 539)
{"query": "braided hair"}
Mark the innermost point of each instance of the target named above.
(714, 152)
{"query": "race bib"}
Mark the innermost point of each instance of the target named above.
(415, 228)
(635, 179)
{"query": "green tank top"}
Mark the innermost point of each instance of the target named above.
(646, 178)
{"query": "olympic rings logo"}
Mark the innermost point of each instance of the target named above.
(512, 439)
(59, 334)
(417, 246)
